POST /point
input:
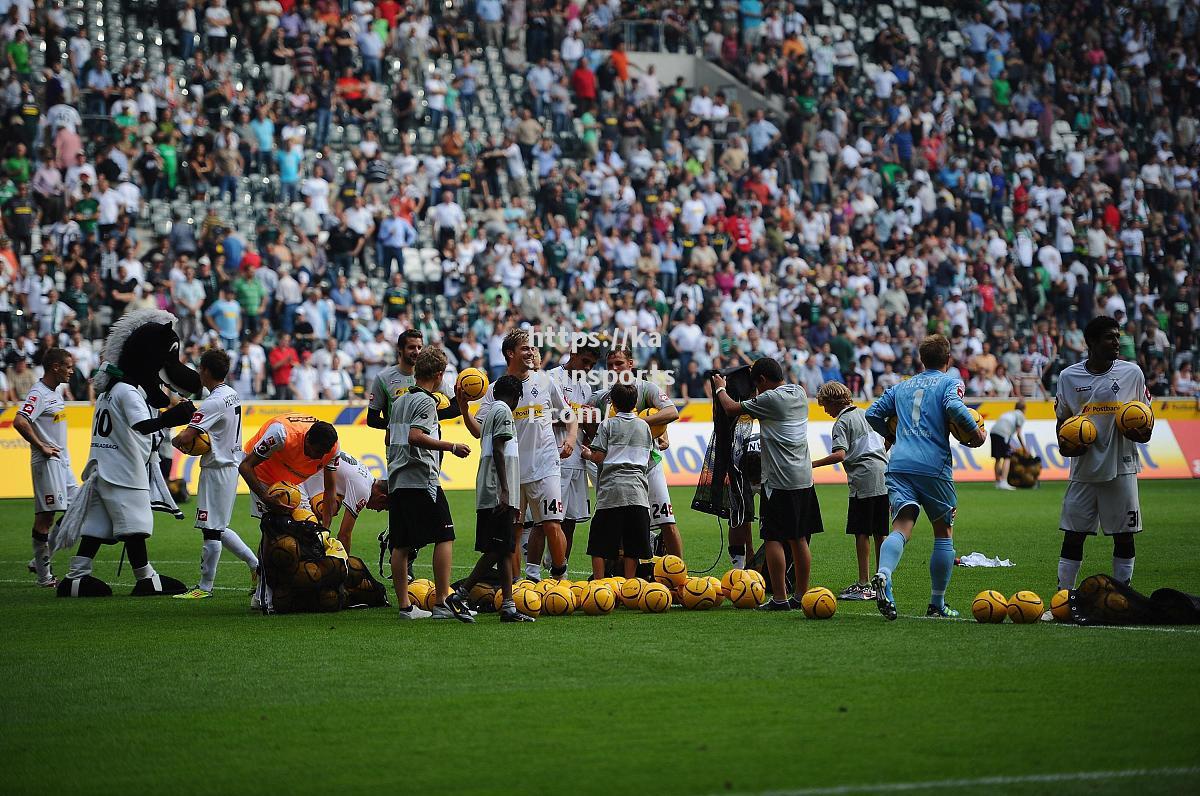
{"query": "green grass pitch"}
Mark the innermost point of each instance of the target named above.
(127, 696)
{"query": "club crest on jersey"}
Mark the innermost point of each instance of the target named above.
(1115, 388)
(533, 392)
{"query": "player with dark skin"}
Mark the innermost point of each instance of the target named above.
(1103, 351)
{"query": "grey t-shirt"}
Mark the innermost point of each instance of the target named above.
(866, 459)
(623, 479)
(389, 385)
(410, 467)
(1008, 424)
(499, 432)
(782, 415)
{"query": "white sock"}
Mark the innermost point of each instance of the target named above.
(148, 571)
(1123, 569)
(533, 571)
(210, 554)
(1068, 571)
(81, 566)
(738, 561)
(41, 558)
(234, 544)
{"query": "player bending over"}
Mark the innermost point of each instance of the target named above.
(622, 451)
(497, 491)
(220, 416)
(42, 422)
(920, 472)
(1005, 428)
(418, 512)
(355, 488)
(541, 402)
(861, 452)
(291, 449)
(1102, 490)
(790, 512)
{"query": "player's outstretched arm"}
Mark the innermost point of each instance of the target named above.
(728, 405)
(470, 421)
(177, 415)
(375, 419)
(419, 439)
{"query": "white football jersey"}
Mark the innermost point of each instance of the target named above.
(538, 451)
(122, 454)
(1098, 396)
(577, 392)
(47, 411)
(220, 415)
(352, 481)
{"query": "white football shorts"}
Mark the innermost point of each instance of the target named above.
(543, 498)
(216, 493)
(661, 511)
(117, 512)
(578, 503)
(1112, 506)
(54, 485)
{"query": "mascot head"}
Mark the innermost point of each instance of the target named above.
(142, 349)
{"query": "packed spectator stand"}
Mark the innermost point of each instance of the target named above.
(299, 182)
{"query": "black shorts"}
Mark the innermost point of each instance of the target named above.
(624, 528)
(869, 516)
(1000, 448)
(415, 519)
(495, 531)
(790, 514)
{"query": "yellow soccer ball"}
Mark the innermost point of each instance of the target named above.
(1060, 605)
(472, 383)
(967, 434)
(670, 571)
(498, 599)
(599, 600)
(442, 400)
(631, 592)
(699, 594)
(1133, 416)
(201, 444)
(481, 595)
(558, 601)
(523, 584)
(302, 514)
(989, 607)
(716, 584)
(818, 603)
(1077, 432)
(1025, 607)
(655, 599)
(730, 578)
(418, 593)
(287, 494)
(755, 575)
(318, 503)
(747, 593)
(528, 602)
(580, 590)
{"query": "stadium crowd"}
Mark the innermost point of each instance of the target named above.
(301, 181)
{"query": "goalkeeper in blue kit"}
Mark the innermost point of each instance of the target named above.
(920, 473)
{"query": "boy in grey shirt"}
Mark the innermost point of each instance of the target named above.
(861, 452)
(622, 450)
(790, 511)
(497, 494)
(418, 512)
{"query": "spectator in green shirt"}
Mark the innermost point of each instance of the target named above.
(87, 210)
(17, 54)
(1002, 90)
(252, 295)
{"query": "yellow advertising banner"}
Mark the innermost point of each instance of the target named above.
(1174, 452)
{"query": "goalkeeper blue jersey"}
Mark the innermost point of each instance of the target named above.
(924, 407)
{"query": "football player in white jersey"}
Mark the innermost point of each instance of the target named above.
(1102, 491)
(577, 503)
(356, 488)
(220, 416)
(650, 396)
(542, 402)
(42, 422)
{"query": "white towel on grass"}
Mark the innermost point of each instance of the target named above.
(980, 560)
